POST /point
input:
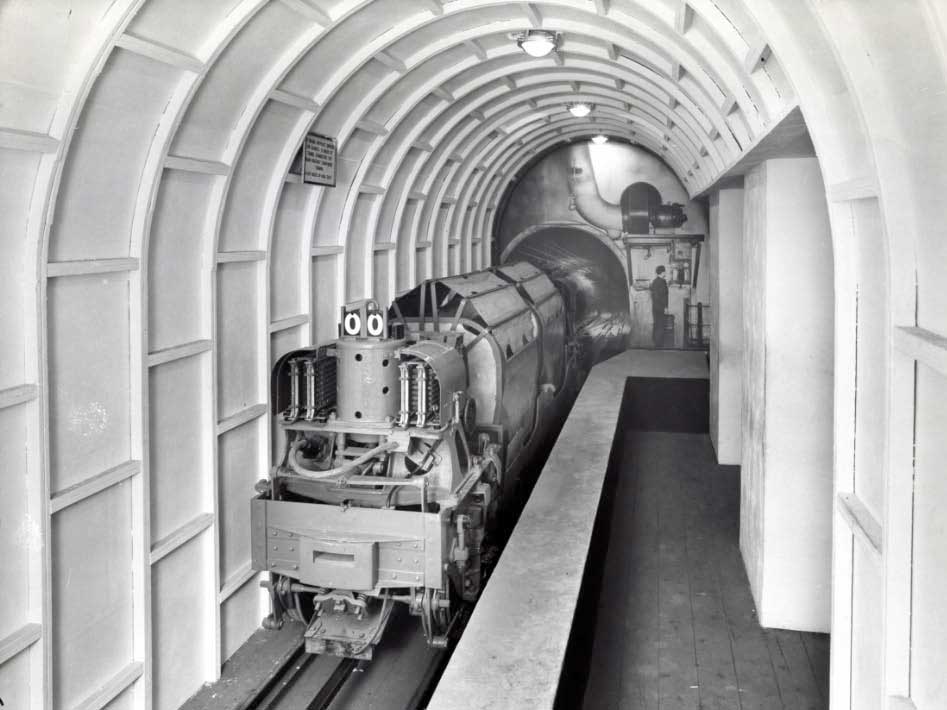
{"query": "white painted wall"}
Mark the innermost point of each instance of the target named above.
(95, 186)
(726, 341)
(788, 297)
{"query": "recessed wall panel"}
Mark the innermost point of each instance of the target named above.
(244, 224)
(92, 593)
(240, 616)
(307, 76)
(867, 649)
(20, 535)
(422, 259)
(238, 463)
(332, 202)
(337, 113)
(929, 654)
(381, 278)
(286, 252)
(15, 681)
(17, 174)
(406, 252)
(183, 24)
(207, 128)
(182, 625)
(283, 341)
(238, 323)
(325, 300)
(101, 178)
(453, 258)
(280, 344)
(178, 303)
(359, 247)
(88, 376)
(178, 446)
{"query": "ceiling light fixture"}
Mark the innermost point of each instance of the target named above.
(580, 109)
(537, 43)
(599, 139)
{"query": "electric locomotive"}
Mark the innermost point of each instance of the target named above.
(404, 441)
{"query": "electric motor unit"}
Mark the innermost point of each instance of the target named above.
(668, 216)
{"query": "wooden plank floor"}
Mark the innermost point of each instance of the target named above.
(676, 627)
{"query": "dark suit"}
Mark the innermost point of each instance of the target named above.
(659, 302)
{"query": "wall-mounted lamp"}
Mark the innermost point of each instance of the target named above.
(580, 109)
(599, 139)
(537, 43)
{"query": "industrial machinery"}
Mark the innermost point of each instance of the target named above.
(405, 441)
(667, 216)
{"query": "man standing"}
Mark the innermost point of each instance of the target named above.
(659, 303)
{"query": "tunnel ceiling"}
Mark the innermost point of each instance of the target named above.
(157, 255)
(433, 105)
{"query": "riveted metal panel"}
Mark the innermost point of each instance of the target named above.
(374, 548)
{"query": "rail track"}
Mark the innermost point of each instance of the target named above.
(401, 677)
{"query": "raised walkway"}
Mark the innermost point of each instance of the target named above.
(529, 635)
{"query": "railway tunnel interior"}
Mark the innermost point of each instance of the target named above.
(592, 273)
(161, 249)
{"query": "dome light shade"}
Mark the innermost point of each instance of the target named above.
(599, 139)
(580, 109)
(537, 43)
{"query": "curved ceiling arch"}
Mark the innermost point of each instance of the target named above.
(509, 160)
(483, 196)
(472, 159)
(366, 103)
(290, 58)
(487, 79)
(352, 9)
(508, 102)
(447, 151)
(593, 86)
(265, 90)
(146, 145)
(518, 156)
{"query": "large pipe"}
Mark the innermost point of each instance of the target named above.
(301, 470)
(588, 200)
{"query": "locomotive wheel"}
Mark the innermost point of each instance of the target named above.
(435, 616)
(296, 606)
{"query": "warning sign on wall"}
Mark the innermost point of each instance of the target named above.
(319, 154)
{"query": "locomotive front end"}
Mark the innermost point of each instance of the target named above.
(382, 493)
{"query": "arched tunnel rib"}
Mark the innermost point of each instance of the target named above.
(159, 258)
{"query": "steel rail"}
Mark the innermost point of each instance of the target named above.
(254, 702)
(334, 684)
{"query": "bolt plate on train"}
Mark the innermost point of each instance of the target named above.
(362, 549)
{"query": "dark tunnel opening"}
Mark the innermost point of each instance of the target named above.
(587, 268)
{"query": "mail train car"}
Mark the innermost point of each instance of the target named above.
(405, 441)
